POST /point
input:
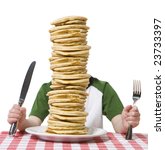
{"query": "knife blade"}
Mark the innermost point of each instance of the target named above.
(24, 90)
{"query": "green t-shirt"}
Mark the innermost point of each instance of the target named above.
(111, 104)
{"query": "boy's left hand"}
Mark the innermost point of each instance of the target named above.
(130, 116)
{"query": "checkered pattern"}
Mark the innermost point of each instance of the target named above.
(110, 141)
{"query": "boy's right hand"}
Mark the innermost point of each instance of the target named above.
(16, 113)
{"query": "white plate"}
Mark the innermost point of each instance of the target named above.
(39, 131)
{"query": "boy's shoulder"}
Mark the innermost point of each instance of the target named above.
(46, 86)
(99, 84)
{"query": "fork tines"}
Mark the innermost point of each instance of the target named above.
(136, 87)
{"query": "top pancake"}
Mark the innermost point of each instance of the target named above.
(69, 20)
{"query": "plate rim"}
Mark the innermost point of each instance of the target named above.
(61, 135)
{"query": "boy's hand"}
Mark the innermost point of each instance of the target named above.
(16, 113)
(130, 116)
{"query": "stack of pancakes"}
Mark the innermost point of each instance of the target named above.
(69, 79)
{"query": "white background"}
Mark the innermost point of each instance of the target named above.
(121, 37)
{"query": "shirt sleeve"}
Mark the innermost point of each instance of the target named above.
(40, 106)
(112, 105)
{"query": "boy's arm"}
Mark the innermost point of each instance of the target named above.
(30, 122)
(117, 123)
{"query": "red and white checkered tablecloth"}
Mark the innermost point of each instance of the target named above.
(110, 141)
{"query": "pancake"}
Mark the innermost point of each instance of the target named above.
(84, 27)
(67, 87)
(67, 113)
(67, 104)
(70, 40)
(67, 31)
(74, 22)
(52, 92)
(70, 68)
(81, 82)
(83, 53)
(54, 64)
(69, 109)
(73, 76)
(70, 72)
(66, 100)
(60, 60)
(58, 123)
(71, 48)
(69, 132)
(71, 43)
(70, 19)
(69, 35)
(65, 128)
(68, 118)
(66, 96)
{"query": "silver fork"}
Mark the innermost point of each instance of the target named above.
(136, 96)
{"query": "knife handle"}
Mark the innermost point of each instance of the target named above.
(20, 102)
(129, 133)
(13, 129)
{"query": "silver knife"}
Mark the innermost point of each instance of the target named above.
(24, 90)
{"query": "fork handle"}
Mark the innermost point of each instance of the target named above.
(13, 129)
(129, 133)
